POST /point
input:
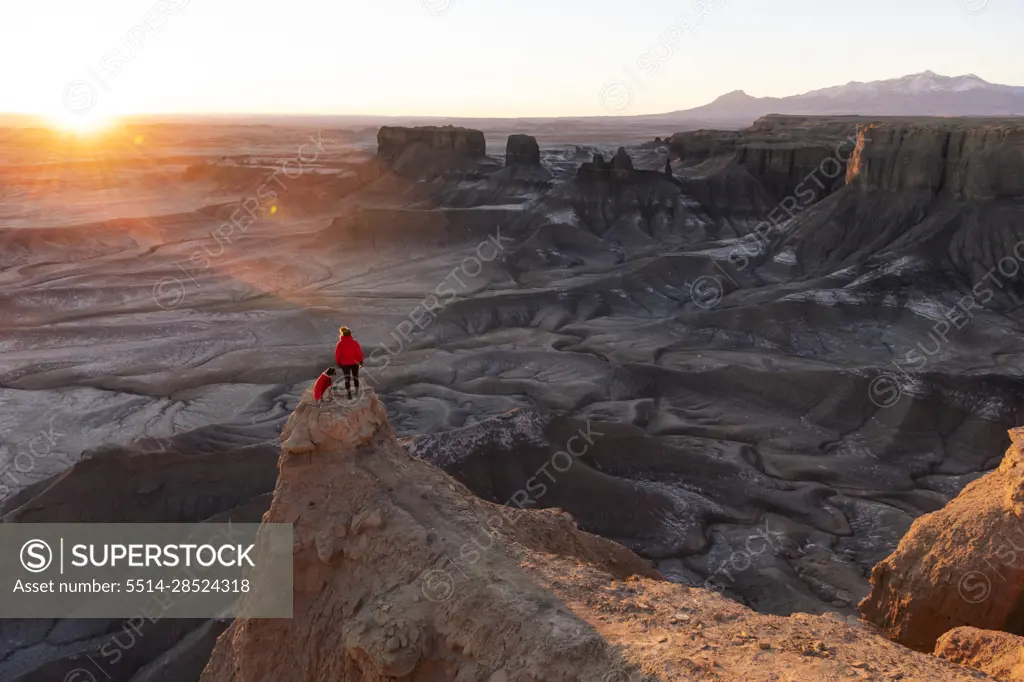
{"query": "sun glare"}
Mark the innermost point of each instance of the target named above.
(81, 124)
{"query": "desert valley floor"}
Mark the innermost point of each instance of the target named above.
(807, 332)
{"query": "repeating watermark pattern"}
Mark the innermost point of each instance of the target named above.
(81, 95)
(887, 388)
(106, 656)
(708, 291)
(278, 282)
(438, 8)
(438, 582)
(40, 447)
(975, 7)
(169, 292)
(616, 96)
(340, 394)
(741, 559)
(426, 312)
(81, 675)
(689, 24)
(975, 586)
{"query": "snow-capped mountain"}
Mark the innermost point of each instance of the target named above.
(919, 94)
(914, 84)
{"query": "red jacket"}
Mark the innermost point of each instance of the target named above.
(323, 382)
(348, 352)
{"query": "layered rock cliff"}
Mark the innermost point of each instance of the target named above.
(939, 192)
(974, 161)
(820, 126)
(785, 170)
(392, 141)
(402, 574)
(788, 157)
(962, 565)
(693, 147)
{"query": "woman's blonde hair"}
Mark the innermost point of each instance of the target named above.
(344, 331)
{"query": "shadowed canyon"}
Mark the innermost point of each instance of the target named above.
(751, 357)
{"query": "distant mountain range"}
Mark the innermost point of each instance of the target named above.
(920, 94)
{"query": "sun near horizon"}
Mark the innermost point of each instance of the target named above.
(86, 124)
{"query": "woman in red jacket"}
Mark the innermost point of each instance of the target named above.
(348, 354)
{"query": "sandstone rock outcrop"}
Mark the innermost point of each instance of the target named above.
(392, 141)
(962, 565)
(998, 654)
(522, 150)
(975, 161)
(401, 573)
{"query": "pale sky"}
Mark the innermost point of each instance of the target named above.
(479, 57)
